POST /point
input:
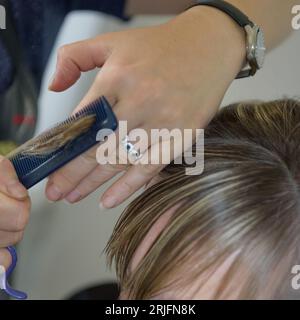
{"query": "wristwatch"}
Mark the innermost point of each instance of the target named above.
(255, 42)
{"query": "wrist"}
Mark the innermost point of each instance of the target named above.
(220, 34)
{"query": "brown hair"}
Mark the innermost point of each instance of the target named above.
(55, 138)
(245, 202)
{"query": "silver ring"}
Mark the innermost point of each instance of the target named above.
(130, 149)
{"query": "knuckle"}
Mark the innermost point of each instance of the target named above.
(88, 158)
(91, 181)
(150, 170)
(22, 216)
(64, 178)
(63, 51)
(114, 168)
(18, 236)
(127, 187)
(6, 164)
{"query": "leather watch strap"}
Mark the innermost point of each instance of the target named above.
(229, 9)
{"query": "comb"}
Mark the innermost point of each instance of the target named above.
(32, 166)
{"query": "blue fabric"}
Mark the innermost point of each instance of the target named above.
(37, 23)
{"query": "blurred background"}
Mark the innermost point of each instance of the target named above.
(62, 251)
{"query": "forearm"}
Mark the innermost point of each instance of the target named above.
(274, 16)
(157, 6)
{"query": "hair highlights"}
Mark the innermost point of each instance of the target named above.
(245, 205)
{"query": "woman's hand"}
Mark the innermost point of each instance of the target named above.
(169, 76)
(14, 209)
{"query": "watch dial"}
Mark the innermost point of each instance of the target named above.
(260, 49)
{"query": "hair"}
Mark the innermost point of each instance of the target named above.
(245, 203)
(55, 138)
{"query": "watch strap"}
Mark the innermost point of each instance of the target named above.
(236, 14)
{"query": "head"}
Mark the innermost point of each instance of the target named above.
(231, 232)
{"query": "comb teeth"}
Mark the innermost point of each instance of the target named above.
(27, 164)
(92, 108)
(32, 168)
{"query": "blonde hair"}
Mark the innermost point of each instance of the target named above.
(246, 203)
(57, 137)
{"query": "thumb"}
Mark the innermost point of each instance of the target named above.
(81, 56)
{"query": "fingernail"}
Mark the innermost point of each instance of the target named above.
(109, 202)
(53, 193)
(73, 196)
(16, 190)
(51, 82)
(101, 206)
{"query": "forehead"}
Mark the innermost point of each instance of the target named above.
(150, 237)
(195, 290)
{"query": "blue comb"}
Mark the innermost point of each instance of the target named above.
(31, 169)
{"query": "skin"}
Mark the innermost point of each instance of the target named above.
(14, 209)
(206, 292)
(157, 77)
(164, 83)
(138, 83)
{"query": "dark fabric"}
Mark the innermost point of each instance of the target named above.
(107, 291)
(18, 104)
(37, 23)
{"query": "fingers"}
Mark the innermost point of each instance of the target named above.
(94, 180)
(148, 167)
(14, 214)
(10, 238)
(63, 181)
(103, 85)
(81, 176)
(103, 173)
(62, 184)
(14, 209)
(78, 57)
(78, 184)
(5, 258)
(134, 179)
(9, 183)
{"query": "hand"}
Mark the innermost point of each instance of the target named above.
(14, 209)
(169, 76)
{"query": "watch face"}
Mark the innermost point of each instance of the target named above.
(260, 50)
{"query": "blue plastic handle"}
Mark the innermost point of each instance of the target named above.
(10, 291)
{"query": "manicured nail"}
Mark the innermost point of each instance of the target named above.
(109, 202)
(53, 193)
(74, 196)
(17, 190)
